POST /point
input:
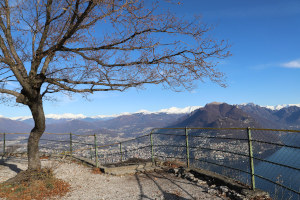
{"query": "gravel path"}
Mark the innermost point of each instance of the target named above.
(86, 185)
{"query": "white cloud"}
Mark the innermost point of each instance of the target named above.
(292, 64)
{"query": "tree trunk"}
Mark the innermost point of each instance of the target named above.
(34, 163)
(38, 115)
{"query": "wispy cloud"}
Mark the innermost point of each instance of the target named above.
(292, 64)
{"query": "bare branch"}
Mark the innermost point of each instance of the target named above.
(88, 46)
(10, 92)
(46, 27)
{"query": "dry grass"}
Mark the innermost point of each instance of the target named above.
(44, 157)
(96, 170)
(39, 185)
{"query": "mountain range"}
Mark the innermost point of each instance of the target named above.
(131, 124)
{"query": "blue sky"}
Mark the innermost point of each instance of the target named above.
(264, 68)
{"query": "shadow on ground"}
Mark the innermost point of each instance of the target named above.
(157, 178)
(12, 167)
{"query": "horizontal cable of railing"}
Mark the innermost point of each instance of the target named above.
(277, 144)
(168, 145)
(81, 143)
(57, 133)
(82, 149)
(80, 135)
(215, 137)
(180, 158)
(276, 183)
(135, 138)
(201, 136)
(117, 143)
(209, 128)
(126, 151)
(108, 145)
(228, 167)
(173, 134)
(45, 147)
(55, 140)
(9, 140)
(279, 164)
(48, 134)
(224, 151)
(279, 130)
(202, 160)
(204, 128)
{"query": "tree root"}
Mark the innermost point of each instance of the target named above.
(28, 176)
(34, 184)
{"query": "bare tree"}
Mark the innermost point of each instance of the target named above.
(84, 46)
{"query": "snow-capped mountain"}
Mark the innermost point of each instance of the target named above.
(218, 115)
(52, 118)
(276, 107)
(284, 116)
(70, 116)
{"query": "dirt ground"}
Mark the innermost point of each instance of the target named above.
(87, 185)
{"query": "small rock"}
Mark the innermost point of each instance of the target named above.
(224, 189)
(200, 182)
(231, 194)
(190, 177)
(181, 170)
(176, 170)
(211, 191)
(240, 197)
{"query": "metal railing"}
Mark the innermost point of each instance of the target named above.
(264, 158)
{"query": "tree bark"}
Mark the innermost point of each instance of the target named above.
(38, 115)
(34, 163)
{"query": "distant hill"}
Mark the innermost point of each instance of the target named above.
(72, 126)
(223, 115)
(13, 126)
(264, 115)
(129, 125)
(218, 115)
(284, 118)
(137, 123)
(290, 116)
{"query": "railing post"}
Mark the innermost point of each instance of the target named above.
(71, 150)
(121, 158)
(96, 150)
(152, 152)
(4, 148)
(251, 158)
(187, 148)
